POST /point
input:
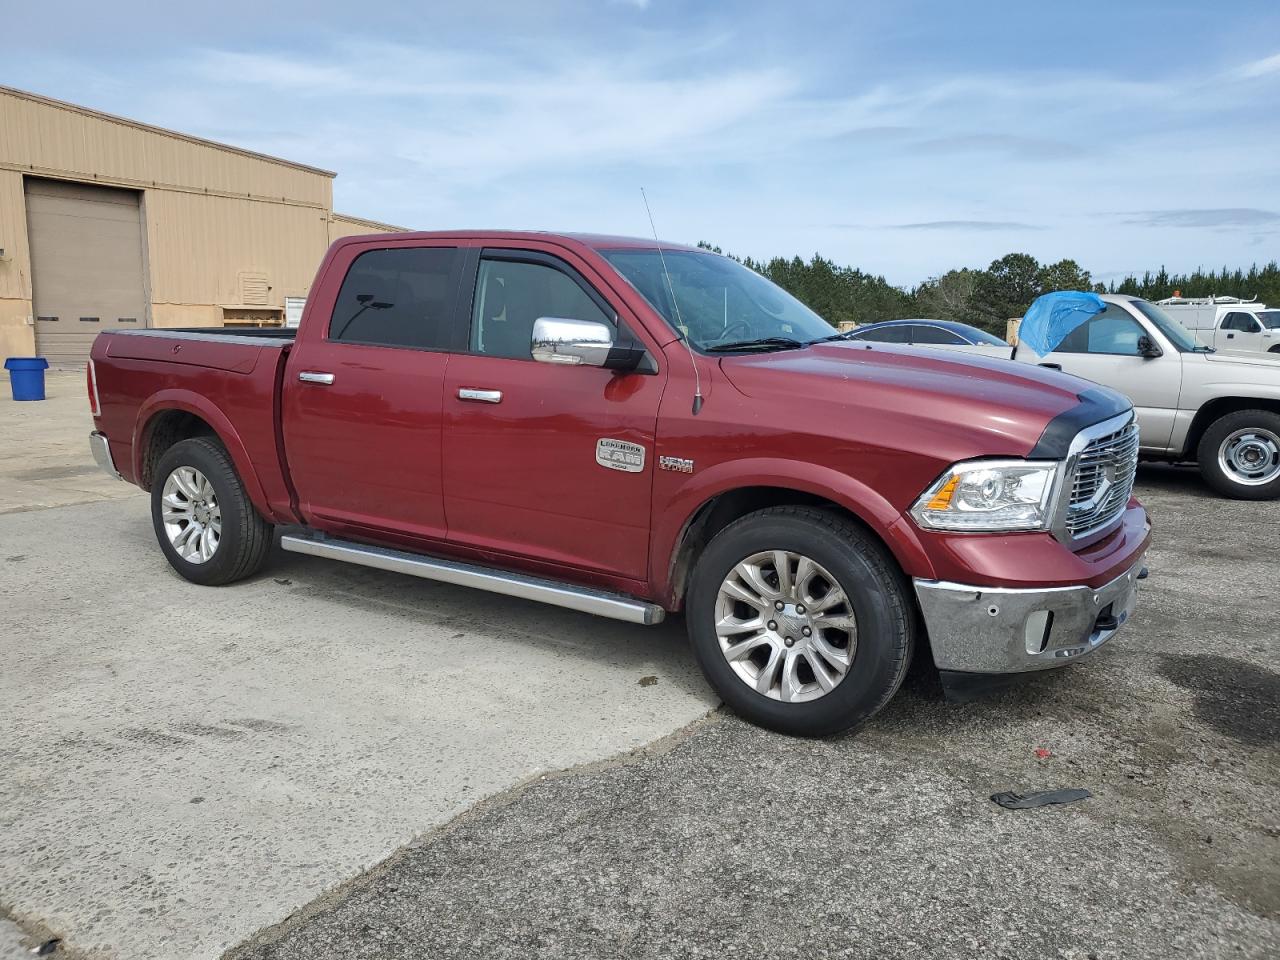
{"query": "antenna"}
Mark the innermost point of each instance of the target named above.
(697, 377)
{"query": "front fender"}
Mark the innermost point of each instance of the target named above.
(204, 408)
(673, 521)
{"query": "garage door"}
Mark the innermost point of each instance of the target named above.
(86, 265)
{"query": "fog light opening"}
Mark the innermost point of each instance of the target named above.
(1036, 632)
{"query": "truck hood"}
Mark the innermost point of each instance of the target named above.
(952, 404)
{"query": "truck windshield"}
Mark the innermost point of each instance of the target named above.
(718, 301)
(1182, 338)
(1270, 319)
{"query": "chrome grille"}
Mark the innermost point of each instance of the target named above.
(1102, 481)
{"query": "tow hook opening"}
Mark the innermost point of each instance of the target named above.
(1106, 622)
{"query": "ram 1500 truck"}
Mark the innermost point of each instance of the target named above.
(1220, 410)
(634, 429)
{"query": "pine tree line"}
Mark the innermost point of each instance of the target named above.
(987, 298)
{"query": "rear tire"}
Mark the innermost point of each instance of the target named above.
(1239, 455)
(835, 573)
(205, 523)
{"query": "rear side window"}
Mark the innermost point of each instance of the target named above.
(923, 334)
(401, 297)
(511, 295)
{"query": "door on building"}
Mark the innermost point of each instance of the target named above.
(86, 265)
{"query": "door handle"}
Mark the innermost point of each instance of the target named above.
(480, 396)
(311, 376)
(1052, 366)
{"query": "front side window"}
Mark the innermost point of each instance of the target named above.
(924, 334)
(1270, 319)
(399, 297)
(511, 295)
(1112, 331)
(1240, 322)
(882, 335)
(717, 301)
(1182, 339)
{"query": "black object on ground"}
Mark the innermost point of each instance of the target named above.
(47, 947)
(1021, 801)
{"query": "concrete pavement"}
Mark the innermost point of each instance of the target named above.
(44, 450)
(187, 765)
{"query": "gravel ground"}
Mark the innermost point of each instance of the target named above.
(726, 840)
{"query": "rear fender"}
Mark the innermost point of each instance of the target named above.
(207, 411)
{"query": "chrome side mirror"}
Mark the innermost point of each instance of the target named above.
(571, 341)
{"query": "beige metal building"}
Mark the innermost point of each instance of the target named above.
(109, 223)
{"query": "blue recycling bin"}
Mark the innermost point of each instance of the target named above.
(26, 377)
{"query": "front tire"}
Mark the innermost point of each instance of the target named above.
(800, 620)
(1239, 455)
(206, 525)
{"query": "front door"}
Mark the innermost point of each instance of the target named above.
(362, 403)
(1104, 349)
(547, 462)
(1240, 331)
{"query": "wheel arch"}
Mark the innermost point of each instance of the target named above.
(712, 506)
(1217, 408)
(171, 416)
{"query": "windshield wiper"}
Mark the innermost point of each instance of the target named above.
(761, 344)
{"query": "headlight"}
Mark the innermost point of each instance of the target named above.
(989, 495)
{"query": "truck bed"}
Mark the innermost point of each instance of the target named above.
(228, 378)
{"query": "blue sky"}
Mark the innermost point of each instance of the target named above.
(905, 138)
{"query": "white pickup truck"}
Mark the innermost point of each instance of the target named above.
(1228, 324)
(1193, 403)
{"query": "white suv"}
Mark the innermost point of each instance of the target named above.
(1227, 323)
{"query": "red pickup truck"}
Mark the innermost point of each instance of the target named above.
(632, 429)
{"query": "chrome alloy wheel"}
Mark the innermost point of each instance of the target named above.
(785, 626)
(191, 516)
(1250, 456)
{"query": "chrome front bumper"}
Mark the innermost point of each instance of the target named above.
(1001, 630)
(102, 453)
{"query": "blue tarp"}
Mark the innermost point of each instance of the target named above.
(1054, 315)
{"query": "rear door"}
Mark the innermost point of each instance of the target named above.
(362, 396)
(1104, 349)
(547, 462)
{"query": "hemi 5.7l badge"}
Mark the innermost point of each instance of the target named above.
(675, 464)
(620, 455)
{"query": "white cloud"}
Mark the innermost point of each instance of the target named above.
(1259, 68)
(749, 129)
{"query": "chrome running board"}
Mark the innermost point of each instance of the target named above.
(601, 603)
